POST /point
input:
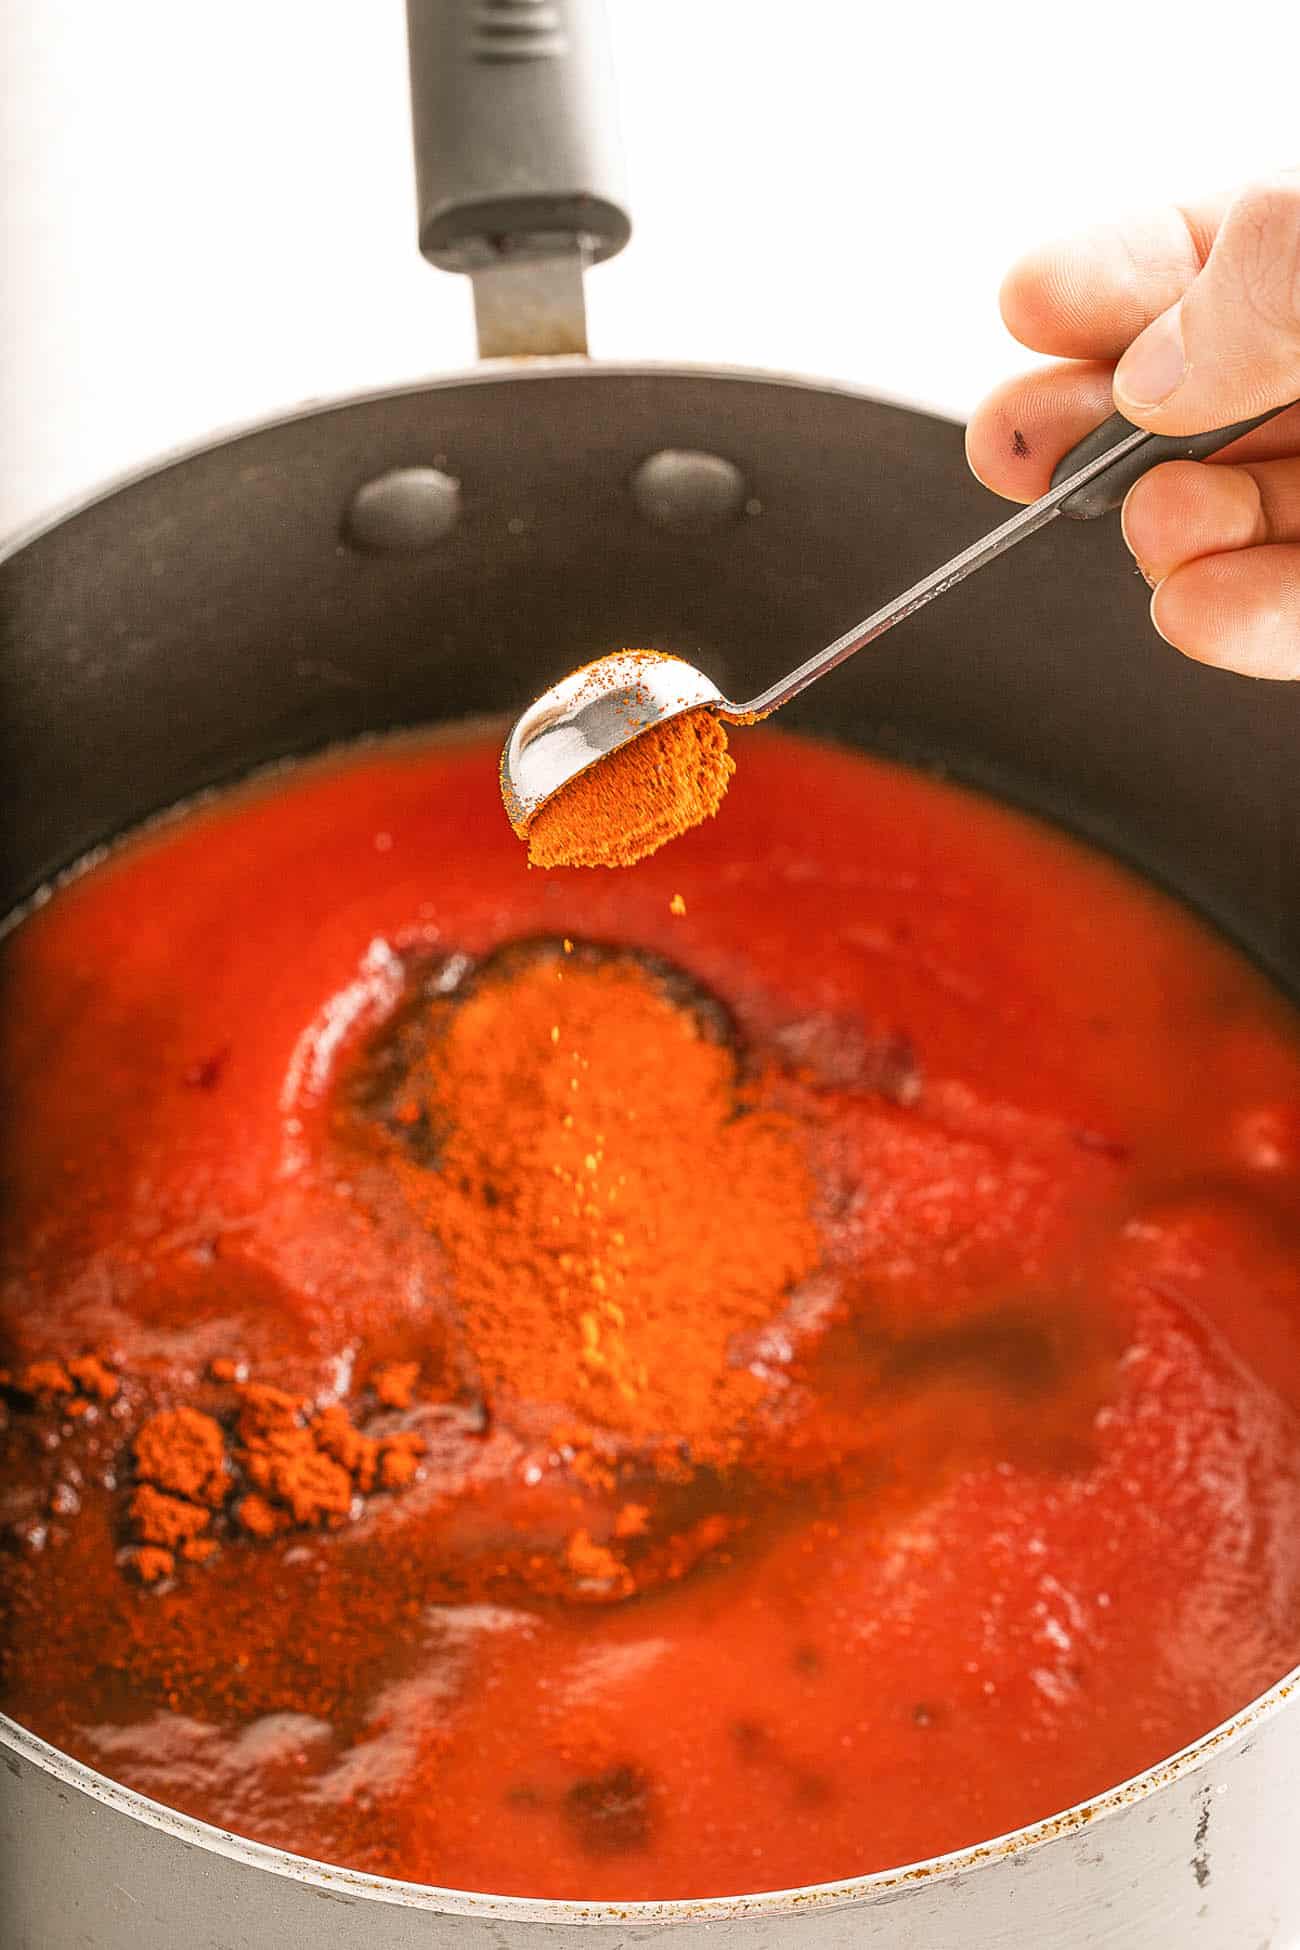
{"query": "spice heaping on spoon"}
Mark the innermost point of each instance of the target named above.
(615, 760)
(575, 779)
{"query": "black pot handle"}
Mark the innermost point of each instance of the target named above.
(517, 160)
(1108, 489)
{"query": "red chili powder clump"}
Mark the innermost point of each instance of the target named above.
(615, 1204)
(180, 1463)
(308, 1468)
(631, 803)
(282, 1466)
(84, 1379)
(182, 1450)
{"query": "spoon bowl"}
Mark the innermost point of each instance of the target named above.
(591, 713)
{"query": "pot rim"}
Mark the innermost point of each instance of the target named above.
(337, 1879)
(489, 372)
(61, 1767)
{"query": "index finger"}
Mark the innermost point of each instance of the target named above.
(1018, 434)
(1088, 296)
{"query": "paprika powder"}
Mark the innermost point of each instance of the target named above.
(630, 803)
(615, 1203)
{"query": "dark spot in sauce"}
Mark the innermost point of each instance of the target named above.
(207, 1074)
(755, 1742)
(810, 1790)
(806, 1658)
(611, 1812)
(752, 1739)
(926, 1713)
(1015, 1350)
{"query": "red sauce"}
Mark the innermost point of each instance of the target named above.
(1056, 1127)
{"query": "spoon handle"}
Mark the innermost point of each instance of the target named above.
(1107, 490)
(519, 176)
(1025, 521)
(1085, 484)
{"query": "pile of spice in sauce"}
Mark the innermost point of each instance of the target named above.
(718, 1377)
(615, 1202)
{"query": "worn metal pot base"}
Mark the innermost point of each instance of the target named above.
(1207, 1837)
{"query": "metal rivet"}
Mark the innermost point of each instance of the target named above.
(688, 491)
(400, 512)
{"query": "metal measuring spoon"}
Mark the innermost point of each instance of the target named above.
(596, 710)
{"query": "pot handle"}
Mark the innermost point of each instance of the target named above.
(1107, 490)
(517, 161)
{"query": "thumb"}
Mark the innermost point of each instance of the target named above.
(1230, 347)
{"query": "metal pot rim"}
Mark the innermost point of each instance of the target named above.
(524, 1909)
(62, 1768)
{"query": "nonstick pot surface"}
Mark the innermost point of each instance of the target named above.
(218, 613)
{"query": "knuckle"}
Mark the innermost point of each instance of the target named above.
(1263, 232)
(1024, 298)
(1164, 492)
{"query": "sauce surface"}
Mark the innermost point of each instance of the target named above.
(1024, 1519)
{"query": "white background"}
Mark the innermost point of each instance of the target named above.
(209, 213)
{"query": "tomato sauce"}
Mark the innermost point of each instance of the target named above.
(1028, 1522)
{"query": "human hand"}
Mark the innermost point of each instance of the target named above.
(1185, 321)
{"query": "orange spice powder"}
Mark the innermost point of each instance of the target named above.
(284, 1465)
(614, 1202)
(628, 805)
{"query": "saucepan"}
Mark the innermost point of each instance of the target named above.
(449, 550)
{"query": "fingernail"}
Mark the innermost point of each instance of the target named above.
(1155, 366)
(1143, 571)
(1155, 620)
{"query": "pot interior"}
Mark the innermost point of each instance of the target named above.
(233, 607)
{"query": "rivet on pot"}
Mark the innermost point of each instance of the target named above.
(688, 491)
(403, 511)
